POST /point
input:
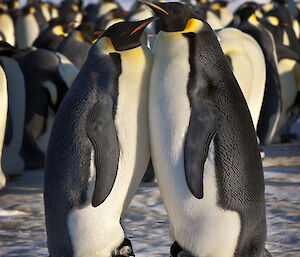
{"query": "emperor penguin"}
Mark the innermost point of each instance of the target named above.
(246, 20)
(279, 23)
(99, 147)
(78, 43)
(7, 27)
(26, 27)
(248, 66)
(12, 163)
(3, 115)
(70, 9)
(45, 89)
(203, 144)
(54, 34)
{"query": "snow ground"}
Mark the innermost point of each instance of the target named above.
(22, 229)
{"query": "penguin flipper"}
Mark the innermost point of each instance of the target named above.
(201, 130)
(199, 136)
(102, 133)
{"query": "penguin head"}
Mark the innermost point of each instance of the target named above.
(218, 5)
(3, 6)
(246, 11)
(123, 35)
(61, 26)
(125, 249)
(13, 4)
(86, 32)
(176, 17)
(279, 17)
(28, 10)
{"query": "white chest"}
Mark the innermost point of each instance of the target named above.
(27, 30)
(97, 231)
(199, 226)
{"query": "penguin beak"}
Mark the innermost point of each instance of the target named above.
(143, 25)
(154, 6)
(71, 23)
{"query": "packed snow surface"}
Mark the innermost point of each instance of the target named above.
(22, 228)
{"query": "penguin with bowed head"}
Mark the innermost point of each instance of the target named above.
(99, 147)
(203, 144)
(45, 89)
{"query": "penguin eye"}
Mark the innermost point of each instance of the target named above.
(273, 20)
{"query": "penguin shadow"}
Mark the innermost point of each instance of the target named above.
(30, 183)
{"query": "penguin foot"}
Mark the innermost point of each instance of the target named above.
(33, 160)
(177, 251)
(149, 174)
(124, 250)
(288, 137)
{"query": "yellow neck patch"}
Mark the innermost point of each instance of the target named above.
(31, 10)
(253, 19)
(59, 30)
(79, 36)
(216, 6)
(273, 20)
(193, 25)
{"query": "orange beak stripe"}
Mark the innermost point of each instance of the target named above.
(98, 32)
(139, 27)
(157, 7)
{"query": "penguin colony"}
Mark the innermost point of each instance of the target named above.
(98, 90)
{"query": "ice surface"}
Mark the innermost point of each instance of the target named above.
(22, 229)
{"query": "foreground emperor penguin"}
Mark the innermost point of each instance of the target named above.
(99, 147)
(203, 144)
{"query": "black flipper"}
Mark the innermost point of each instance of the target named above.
(202, 126)
(102, 132)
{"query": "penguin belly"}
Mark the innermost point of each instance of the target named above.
(106, 8)
(288, 94)
(249, 67)
(198, 225)
(27, 30)
(67, 70)
(131, 121)
(12, 162)
(7, 28)
(214, 21)
(3, 114)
